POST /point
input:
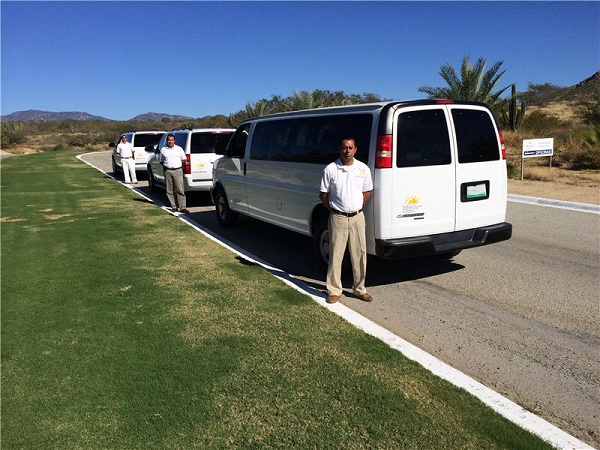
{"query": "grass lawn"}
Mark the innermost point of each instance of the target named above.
(124, 328)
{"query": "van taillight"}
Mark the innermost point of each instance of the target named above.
(383, 152)
(187, 167)
(502, 148)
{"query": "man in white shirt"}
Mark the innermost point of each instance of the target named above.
(173, 158)
(125, 150)
(346, 187)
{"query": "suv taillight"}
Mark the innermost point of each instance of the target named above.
(502, 148)
(383, 152)
(187, 167)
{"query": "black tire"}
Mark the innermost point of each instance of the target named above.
(225, 216)
(321, 243)
(151, 180)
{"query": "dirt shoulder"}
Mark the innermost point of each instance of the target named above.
(588, 192)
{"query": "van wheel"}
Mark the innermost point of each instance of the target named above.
(225, 216)
(151, 181)
(321, 243)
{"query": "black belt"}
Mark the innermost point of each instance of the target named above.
(352, 214)
(172, 168)
(126, 158)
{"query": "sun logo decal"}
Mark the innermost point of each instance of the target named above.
(411, 200)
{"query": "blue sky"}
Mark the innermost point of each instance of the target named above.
(121, 59)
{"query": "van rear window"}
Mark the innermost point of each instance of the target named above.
(475, 135)
(422, 139)
(209, 142)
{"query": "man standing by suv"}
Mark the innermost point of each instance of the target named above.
(125, 151)
(172, 157)
(346, 187)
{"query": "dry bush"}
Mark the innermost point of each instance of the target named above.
(541, 174)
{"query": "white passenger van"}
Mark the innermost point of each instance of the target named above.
(438, 166)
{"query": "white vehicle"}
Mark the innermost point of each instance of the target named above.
(143, 145)
(438, 167)
(201, 146)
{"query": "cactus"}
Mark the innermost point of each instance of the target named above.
(514, 117)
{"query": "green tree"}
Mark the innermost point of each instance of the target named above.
(473, 83)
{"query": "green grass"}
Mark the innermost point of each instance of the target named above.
(113, 340)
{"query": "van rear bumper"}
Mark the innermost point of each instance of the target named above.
(442, 243)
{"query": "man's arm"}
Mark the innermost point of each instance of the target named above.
(366, 197)
(324, 196)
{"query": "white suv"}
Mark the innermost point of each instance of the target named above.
(143, 142)
(201, 146)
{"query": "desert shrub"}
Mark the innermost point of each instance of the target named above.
(540, 174)
(580, 151)
(11, 136)
(540, 123)
(513, 171)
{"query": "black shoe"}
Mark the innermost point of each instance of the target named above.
(184, 211)
(173, 209)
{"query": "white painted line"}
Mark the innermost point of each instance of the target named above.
(503, 406)
(574, 206)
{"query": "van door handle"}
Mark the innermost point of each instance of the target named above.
(244, 168)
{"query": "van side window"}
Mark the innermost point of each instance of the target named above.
(422, 139)
(237, 145)
(475, 136)
(270, 140)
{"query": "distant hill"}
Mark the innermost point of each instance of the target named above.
(157, 116)
(33, 115)
(582, 90)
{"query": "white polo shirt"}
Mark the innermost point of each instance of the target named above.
(345, 185)
(172, 157)
(125, 149)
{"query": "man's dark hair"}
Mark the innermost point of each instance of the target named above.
(347, 138)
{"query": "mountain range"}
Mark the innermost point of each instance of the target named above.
(34, 114)
(579, 91)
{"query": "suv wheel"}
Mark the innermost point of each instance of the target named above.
(151, 180)
(225, 216)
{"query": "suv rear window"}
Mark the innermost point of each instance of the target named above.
(209, 142)
(475, 135)
(422, 139)
(144, 140)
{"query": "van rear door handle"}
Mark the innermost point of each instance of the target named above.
(244, 168)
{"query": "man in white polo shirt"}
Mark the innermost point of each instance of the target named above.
(125, 151)
(346, 187)
(173, 158)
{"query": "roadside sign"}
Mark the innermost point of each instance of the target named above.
(538, 147)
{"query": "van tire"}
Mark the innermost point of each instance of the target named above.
(446, 256)
(321, 243)
(114, 166)
(225, 216)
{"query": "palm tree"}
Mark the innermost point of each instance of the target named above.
(474, 83)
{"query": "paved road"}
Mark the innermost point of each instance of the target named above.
(522, 316)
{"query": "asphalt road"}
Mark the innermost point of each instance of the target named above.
(521, 316)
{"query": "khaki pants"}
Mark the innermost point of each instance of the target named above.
(347, 231)
(174, 185)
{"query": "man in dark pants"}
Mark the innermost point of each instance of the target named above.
(173, 158)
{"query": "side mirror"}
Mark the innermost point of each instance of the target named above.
(111, 144)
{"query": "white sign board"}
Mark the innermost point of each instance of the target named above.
(538, 147)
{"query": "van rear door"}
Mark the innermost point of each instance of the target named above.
(481, 168)
(420, 185)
